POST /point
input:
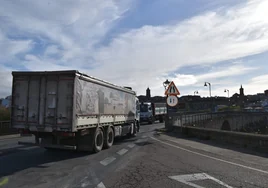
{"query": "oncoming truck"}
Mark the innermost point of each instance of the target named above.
(71, 110)
(150, 112)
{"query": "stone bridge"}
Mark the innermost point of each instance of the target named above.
(253, 122)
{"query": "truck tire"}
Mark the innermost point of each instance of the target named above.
(98, 140)
(151, 121)
(109, 137)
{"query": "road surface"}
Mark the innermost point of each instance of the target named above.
(151, 159)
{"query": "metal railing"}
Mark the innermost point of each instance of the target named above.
(4, 124)
(5, 128)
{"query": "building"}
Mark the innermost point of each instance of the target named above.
(239, 99)
(148, 93)
(197, 103)
(266, 92)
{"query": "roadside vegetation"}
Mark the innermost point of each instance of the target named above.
(4, 114)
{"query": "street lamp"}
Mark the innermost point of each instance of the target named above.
(206, 84)
(196, 92)
(226, 90)
(166, 83)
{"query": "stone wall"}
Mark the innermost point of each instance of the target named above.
(247, 140)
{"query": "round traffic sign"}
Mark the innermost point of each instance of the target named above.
(172, 100)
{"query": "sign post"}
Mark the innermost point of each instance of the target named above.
(171, 100)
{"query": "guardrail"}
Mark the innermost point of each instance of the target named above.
(6, 129)
(4, 124)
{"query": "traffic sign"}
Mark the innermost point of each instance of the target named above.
(172, 89)
(172, 100)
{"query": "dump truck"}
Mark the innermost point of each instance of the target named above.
(71, 110)
(150, 112)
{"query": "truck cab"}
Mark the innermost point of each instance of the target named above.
(146, 112)
(150, 112)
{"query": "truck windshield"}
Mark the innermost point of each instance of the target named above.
(144, 108)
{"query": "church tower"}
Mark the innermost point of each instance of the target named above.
(241, 91)
(148, 93)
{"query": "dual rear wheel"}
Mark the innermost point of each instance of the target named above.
(103, 139)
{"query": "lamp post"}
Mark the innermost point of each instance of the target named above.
(226, 90)
(165, 84)
(196, 92)
(211, 105)
(206, 84)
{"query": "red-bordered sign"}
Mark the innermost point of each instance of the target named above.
(172, 89)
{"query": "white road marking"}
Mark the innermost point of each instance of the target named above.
(107, 161)
(186, 179)
(214, 158)
(131, 145)
(144, 136)
(100, 185)
(122, 151)
(85, 182)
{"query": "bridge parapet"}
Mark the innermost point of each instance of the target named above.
(253, 122)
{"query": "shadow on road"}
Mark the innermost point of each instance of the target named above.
(37, 158)
(125, 139)
(219, 144)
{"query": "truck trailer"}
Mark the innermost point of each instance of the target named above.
(150, 112)
(71, 110)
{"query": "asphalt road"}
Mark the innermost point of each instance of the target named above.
(149, 160)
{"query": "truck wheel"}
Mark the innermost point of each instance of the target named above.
(98, 140)
(151, 121)
(109, 137)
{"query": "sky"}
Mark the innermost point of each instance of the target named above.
(140, 43)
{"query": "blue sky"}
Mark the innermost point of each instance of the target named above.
(140, 43)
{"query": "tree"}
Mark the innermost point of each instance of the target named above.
(4, 114)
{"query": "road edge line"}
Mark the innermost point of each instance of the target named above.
(214, 158)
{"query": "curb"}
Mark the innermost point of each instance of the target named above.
(9, 136)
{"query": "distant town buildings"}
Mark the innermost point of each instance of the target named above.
(257, 102)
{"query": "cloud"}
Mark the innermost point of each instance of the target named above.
(52, 50)
(10, 47)
(226, 72)
(6, 81)
(74, 26)
(72, 33)
(148, 52)
(263, 79)
(213, 74)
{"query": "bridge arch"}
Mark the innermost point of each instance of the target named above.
(226, 126)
